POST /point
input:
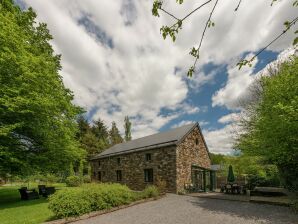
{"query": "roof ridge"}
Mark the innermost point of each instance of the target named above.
(172, 135)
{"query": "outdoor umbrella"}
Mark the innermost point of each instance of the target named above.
(231, 177)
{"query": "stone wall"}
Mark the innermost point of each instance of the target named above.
(132, 165)
(189, 153)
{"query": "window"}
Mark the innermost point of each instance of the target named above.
(119, 175)
(99, 176)
(197, 141)
(118, 161)
(148, 156)
(98, 163)
(148, 175)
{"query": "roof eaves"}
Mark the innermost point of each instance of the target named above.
(160, 145)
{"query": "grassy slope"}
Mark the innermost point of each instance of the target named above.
(15, 211)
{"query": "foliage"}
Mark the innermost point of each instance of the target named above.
(92, 197)
(231, 177)
(81, 169)
(161, 185)
(150, 192)
(94, 139)
(127, 129)
(37, 124)
(115, 137)
(256, 181)
(71, 170)
(73, 181)
(271, 128)
(86, 179)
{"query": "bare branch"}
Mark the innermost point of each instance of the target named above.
(170, 14)
(288, 26)
(203, 34)
(238, 5)
(189, 14)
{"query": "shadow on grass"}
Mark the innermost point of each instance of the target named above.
(11, 198)
(270, 213)
(20, 203)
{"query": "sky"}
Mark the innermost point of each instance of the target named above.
(116, 62)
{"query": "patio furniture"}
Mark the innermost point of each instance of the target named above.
(41, 189)
(28, 194)
(235, 188)
(228, 188)
(46, 191)
(222, 188)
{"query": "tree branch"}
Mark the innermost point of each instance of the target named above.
(288, 26)
(238, 5)
(170, 14)
(203, 34)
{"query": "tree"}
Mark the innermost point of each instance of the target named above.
(84, 126)
(37, 118)
(100, 130)
(174, 29)
(127, 128)
(270, 128)
(115, 137)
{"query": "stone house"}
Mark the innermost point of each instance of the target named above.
(178, 157)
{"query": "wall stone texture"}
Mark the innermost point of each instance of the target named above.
(132, 165)
(189, 153)
(171, 164)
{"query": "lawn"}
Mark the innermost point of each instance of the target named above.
(15, 211)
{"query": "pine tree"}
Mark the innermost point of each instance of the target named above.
(115, 137)
(127, 128)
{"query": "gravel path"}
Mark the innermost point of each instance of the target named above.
(174, 209)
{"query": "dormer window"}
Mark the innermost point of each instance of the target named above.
(148, 156)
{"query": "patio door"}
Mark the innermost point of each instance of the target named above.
(198, 179)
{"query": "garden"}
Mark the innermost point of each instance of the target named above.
(66, 201)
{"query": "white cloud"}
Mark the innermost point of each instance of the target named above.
(220, 140)
(232, 117)
(236, 86)
(181, 123)
(136, 76)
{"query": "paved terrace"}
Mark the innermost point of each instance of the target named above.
(174, 209)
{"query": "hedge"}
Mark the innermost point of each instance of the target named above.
(92, 197)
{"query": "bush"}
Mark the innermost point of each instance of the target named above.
(73, 181)
(150, 191)
(86, 179)
(91, 197)
(161, 185)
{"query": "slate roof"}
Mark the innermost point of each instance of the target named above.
(162, 139)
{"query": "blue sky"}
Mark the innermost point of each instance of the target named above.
(116, 62)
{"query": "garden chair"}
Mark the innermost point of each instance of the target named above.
(28, 194)
(228, 188)
(41, 189)
(235, 188)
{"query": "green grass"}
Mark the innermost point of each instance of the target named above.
(15, 211)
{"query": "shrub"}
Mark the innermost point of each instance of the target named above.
(73, 181)
(161, 185)
(86, 179)
(69, 202)
(150, 191)
(89, 197)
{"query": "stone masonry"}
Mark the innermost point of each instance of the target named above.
(189, 153)
(172, 164)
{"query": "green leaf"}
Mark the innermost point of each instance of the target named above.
(190, 71)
